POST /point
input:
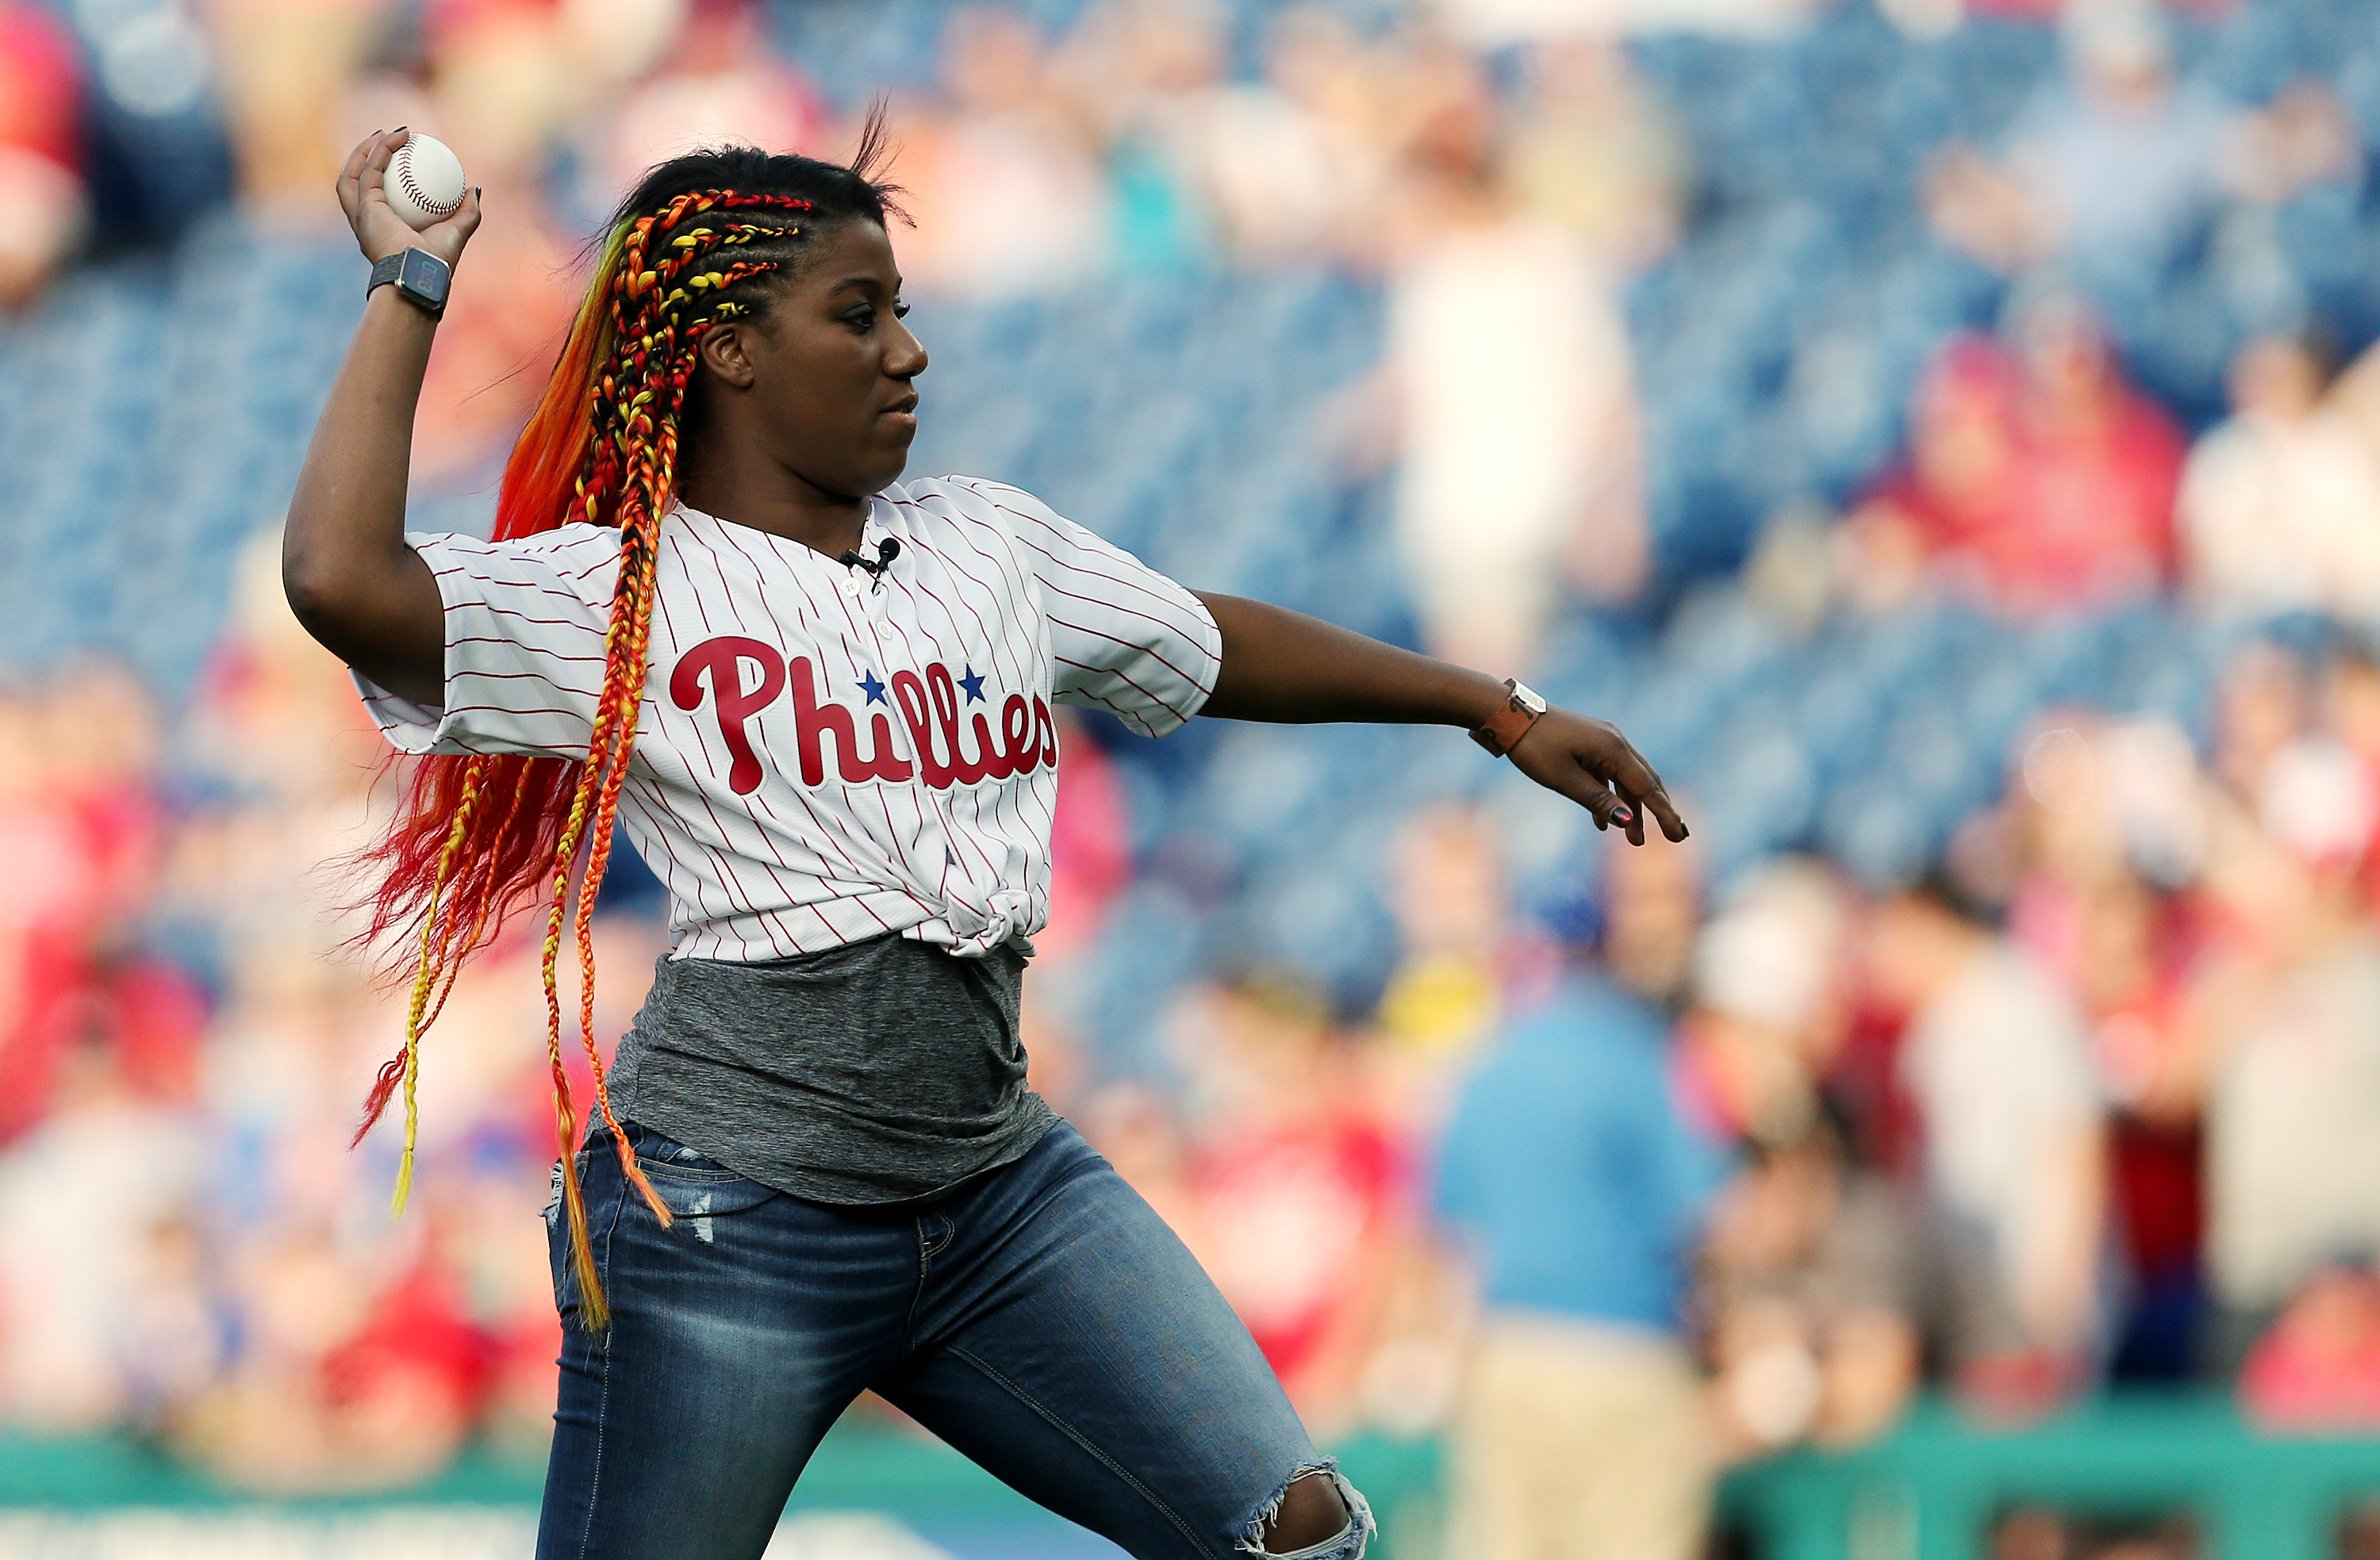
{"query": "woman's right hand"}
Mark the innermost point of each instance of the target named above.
(379, 230)
(358, 588)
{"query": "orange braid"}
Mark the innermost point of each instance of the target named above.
(601, 448)
(635, 405)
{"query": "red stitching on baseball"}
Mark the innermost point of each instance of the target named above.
(413, 186)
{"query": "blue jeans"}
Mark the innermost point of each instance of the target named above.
(1041, 1319)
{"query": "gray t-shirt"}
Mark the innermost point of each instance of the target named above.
(879, 1071)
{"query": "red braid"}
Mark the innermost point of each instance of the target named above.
(478, 834)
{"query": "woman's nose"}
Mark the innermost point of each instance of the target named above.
(907, 359)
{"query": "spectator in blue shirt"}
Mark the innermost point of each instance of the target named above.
(1572, 1178)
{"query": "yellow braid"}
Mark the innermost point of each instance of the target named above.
(435, 950)
(636, 402)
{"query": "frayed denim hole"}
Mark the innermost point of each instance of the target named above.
(1347, 1543)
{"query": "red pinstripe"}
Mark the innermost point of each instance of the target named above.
(789, 869)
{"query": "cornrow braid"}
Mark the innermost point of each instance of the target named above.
(659, 313)
(660, 316)
(480, 835)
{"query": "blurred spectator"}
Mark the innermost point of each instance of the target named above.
(2038, 480)
(1591, 151)
(1458, 944)
(1649, 906)
(1997, 1059)
(2113, 170)
(2103, 461)
(1090, 844)
(2280, 505)
(78, 1290)
(1139, 73)
(2101, 809)
(81, 822)
(1570, 1175)
(1769, 1009)
(2349, 705)
(2115, 162)
(1962, 483)
(2261, 709)
(1302, 1199)
(1287, 166)
(1814, 1285)
(712, 81)
(2293, 1165)
(44, 208)
(1515, 400)
(1003, 183)
(285, 68)
(481, 383)
(2318, 1369)
(2132, 957)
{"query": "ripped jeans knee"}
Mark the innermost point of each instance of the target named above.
(1348, 1543)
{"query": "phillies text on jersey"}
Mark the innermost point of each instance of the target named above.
(824, 755)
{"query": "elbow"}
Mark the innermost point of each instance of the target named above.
(314, 599)
(332, 606)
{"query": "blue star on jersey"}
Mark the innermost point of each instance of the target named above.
(973, 684)
(872, 688)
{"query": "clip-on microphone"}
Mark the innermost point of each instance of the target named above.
(886, 550)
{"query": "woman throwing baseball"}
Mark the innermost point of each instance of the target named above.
(817, 699)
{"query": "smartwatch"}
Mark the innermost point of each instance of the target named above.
(421, 279)
(1512, 718)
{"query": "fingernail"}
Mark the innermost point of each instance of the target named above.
(1622, 816)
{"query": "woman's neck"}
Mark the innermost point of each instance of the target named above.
(778, 501)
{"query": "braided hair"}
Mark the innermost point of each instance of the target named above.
(695, 244)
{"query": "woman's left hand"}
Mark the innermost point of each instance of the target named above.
(1591, 763)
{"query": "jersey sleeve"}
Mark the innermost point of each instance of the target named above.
(525, 628)
(1124, 637)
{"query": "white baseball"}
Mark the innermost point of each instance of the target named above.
(425, 181)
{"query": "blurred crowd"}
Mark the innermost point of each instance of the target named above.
(1700, 1161)
(1674, 1174)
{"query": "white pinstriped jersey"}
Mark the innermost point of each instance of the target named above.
(822, 757)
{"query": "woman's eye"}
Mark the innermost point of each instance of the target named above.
(862, 317)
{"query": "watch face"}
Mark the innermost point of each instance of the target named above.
(425, 276)
(1528, 698)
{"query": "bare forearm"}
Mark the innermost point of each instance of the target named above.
(349, 512)
(1279, 665)
(1284, 666)
(351, 580)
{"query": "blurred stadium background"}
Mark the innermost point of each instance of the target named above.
(1940, 432)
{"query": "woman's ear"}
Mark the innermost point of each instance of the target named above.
(724, 353)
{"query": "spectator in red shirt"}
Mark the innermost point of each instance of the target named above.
(2037, 479)
(43, 206)
(1304, 1198)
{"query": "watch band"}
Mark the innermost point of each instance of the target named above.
(1520, 711)
(419, 277)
